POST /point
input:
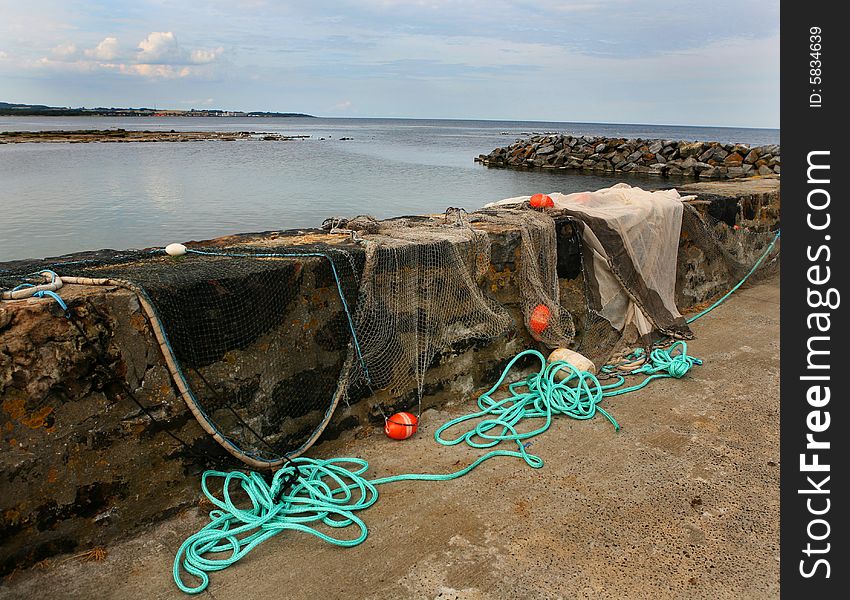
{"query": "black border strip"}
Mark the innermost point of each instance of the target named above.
(812, 112)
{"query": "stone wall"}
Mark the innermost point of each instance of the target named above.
(81, 464)
(665, 158)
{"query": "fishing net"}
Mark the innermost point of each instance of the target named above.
(421, 292)
(721, 241)
(631, 242)
(535, 263)
(260, 336)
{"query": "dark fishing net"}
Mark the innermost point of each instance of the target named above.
(421, 293)
(261, 335)
(536, 267)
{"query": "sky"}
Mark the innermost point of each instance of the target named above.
(713, 62)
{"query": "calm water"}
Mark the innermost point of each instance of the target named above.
(60, 198)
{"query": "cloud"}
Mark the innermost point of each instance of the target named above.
(158, 56)
(153, 71)
(342, 106)
(3, 55)
(107, 49)
(160, 47)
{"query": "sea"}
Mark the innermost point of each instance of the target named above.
(63, 198)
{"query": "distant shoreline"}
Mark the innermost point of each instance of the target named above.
(122, 135)
(8, 109)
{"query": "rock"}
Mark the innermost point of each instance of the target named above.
(734, 159)
(709, 160)
(691, 149)
(752, 156)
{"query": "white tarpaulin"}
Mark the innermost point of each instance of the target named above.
(630, 245)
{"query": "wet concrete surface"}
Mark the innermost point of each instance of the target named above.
(683, 502)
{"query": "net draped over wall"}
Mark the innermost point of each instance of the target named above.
(268, 339)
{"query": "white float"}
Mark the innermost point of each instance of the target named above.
(579, 361)
(175, 249)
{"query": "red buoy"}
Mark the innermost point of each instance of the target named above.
(541, 201)
(539, 319)
(401, 426)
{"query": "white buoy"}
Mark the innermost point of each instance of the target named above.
(579, 361)
(175, 249)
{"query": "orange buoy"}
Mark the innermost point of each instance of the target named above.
(401, 426)
(539, 319)
(541, 201)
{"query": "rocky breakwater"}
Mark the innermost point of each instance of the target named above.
(665, 158)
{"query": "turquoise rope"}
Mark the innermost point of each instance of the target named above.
(330, 492)
(54, 296)
(662, 363)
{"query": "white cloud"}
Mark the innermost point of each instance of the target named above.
(3, 55)
(107, 49)
(342, 106)
(160, 47)
(153, 71)
(159, 56)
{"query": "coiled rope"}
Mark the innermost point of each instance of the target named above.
(307, 493)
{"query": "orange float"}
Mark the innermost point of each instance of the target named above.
(541, 201)
(401, 426)
(539, 319)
